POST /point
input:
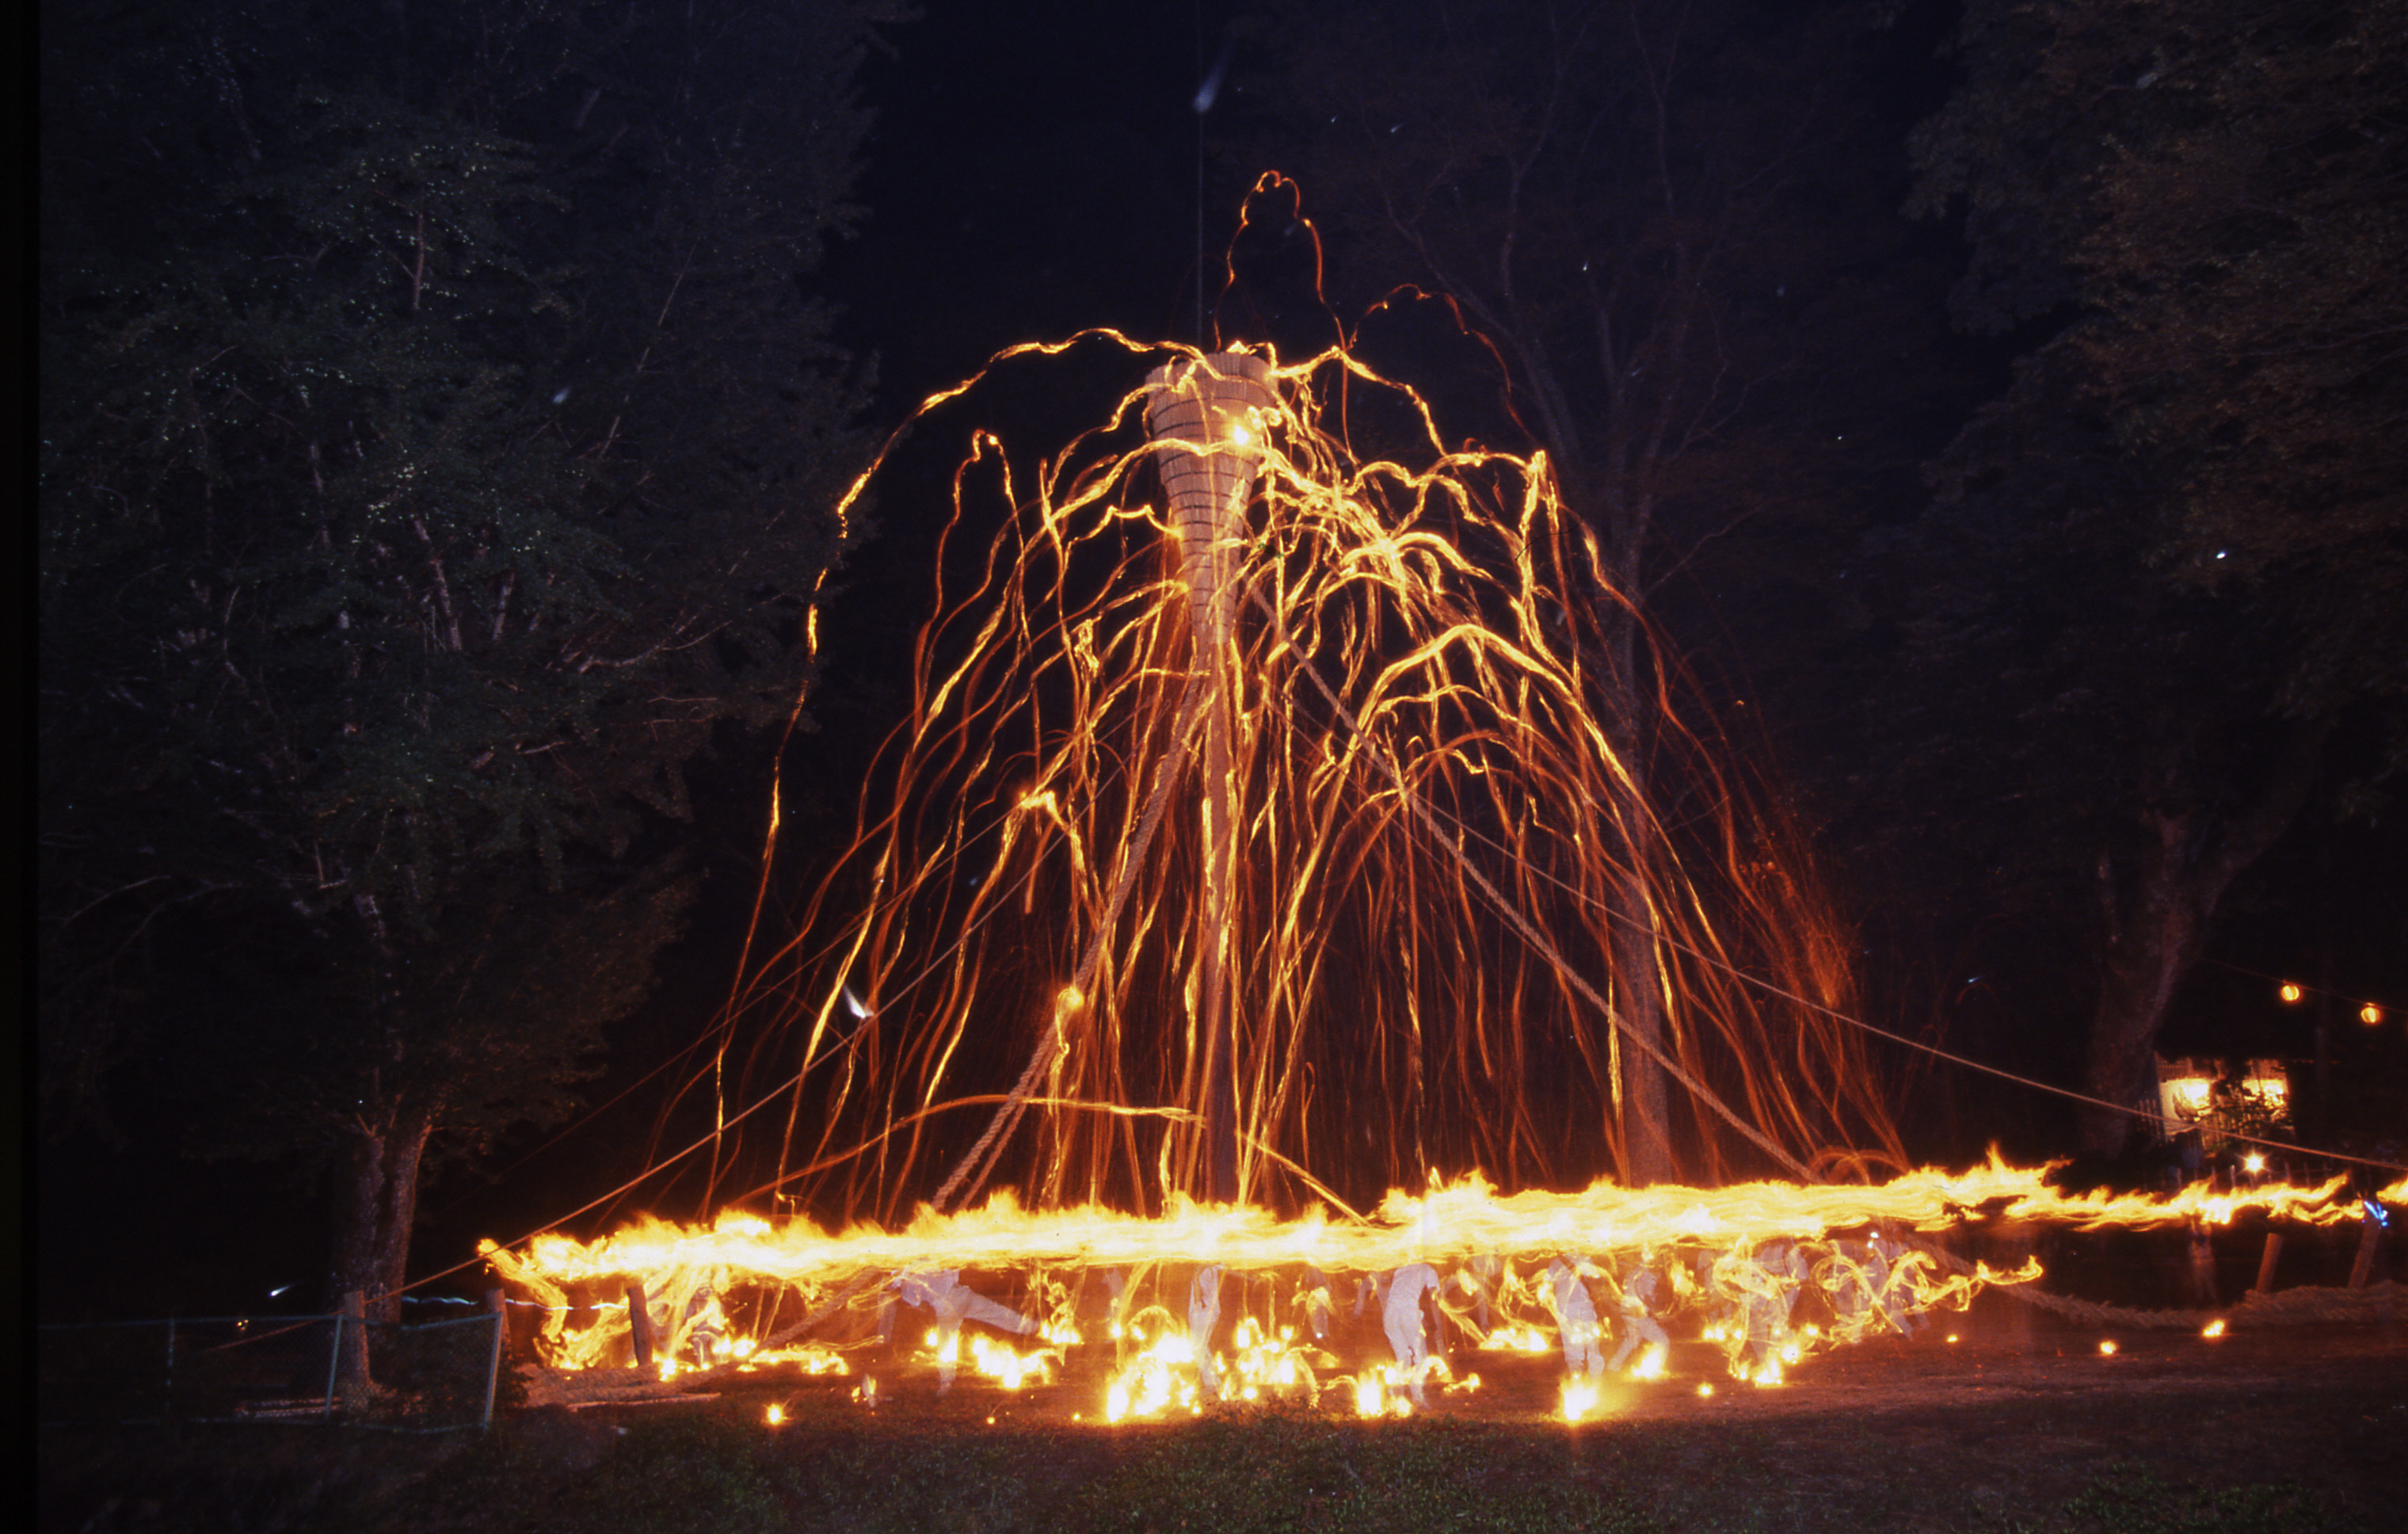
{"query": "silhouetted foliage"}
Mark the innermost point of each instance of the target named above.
(440, 443)
(2166, 567)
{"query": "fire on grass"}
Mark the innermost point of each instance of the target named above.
(1768, 1273)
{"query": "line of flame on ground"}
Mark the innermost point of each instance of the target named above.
(1770, 1272)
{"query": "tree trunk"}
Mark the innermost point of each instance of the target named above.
(1646, 1112)
(378, 1205)
(1638, 978)
(2157, 923)
(2155, 937)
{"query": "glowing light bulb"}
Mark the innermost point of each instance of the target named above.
(2370, 1014)
(2291, 992)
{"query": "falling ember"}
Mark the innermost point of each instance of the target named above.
(1270, 829)
(776, 1415)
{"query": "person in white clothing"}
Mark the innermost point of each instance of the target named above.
(1639, 1323)
(1576, 1320)
(952, 1302)
(1203, 1315)
(1402, 1316)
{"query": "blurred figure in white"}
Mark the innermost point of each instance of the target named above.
(1203, 1315)
(1482, 1276)
(1402, 1316)
(1316, 1303)
(951, 1303)
(1576, 1320)
(1639, 1323)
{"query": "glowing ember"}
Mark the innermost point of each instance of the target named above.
(2213, 1330)
(2107, 1347)
(1578, 1399)
(1192, 773)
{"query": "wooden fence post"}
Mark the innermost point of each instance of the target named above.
(351, 1347)
(639, 1324)
(2203, 1264)
(495, 1302)
(2266, 1263)
(2369, 1239)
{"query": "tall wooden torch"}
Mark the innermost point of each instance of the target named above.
(1208, 416)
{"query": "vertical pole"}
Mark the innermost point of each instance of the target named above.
(639, 1324)
(2324, 995)
(333, 1365)
(1221, 1050)
(494, 1302)
(2370, 1238)
(2266, 1263)
(2203, 1264)
(1210, 414)
(354, 1340)
(168, 1402)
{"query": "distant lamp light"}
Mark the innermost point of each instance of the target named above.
(2291, 992)
(2254, 1163)
(2370, 1014)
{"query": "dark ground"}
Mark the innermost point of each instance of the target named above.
(2022, 1424)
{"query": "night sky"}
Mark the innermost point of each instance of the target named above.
(1034, 171)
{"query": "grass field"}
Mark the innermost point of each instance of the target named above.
(2296, 1429)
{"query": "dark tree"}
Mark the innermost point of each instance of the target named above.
(2182, 535)
(440, 444)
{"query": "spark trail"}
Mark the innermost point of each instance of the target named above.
(1284, 855)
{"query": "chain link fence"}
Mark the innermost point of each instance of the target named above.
(433, 1377)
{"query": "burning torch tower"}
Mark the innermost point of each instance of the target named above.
(1207, 417)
